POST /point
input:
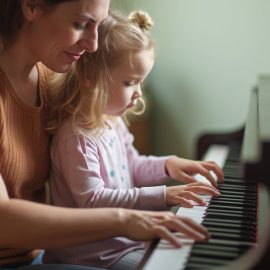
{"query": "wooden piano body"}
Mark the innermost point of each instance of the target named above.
(254, 165)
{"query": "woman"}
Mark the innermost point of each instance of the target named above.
(35, 34)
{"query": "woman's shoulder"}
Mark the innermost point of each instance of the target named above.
(44, 75)
(4, 83)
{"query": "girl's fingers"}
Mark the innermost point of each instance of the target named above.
(180, 200)
(204, 190)
(194, 197)
(212, 166)
(202, 187)
(207, 174)
(186, 178)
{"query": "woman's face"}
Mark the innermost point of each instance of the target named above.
(59, 37)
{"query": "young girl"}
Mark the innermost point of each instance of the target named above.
(94, 163)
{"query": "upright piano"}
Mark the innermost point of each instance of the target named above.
(239, 219)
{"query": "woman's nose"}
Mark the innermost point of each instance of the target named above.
(89, 41)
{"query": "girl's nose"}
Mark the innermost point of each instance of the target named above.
(138, 92)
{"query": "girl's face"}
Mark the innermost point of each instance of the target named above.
(125, 85)
(59, 37)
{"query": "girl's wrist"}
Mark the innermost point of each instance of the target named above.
(166, 165)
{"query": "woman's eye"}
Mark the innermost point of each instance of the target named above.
(80, 26)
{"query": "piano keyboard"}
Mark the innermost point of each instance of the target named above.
(230, 219)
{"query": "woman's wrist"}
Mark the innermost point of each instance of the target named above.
(122, 218)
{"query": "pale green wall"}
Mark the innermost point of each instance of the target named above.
(209, 54)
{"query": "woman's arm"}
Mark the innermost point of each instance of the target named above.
(26, 224)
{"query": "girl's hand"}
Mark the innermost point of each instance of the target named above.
(184, 194)
(183, 170)
(147, 225)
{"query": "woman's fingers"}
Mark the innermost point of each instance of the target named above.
(164, 233)
(183, 225)
(148, 225)
(195, 227)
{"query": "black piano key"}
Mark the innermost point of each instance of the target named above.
(228, 202)
(250, 224)
(231, 236)
(242, 186)
(230, 230)
(227, 216)
(250, 211)
(231, 248)
(229, 255)
(236, 196)
(234, 214)
(240, 227)
(207, 261)
(221, 242)
(233, 207)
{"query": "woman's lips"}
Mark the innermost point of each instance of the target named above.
(74, 56)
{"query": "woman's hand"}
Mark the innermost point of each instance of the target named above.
(185, 194)
(183, 170)
(147, 225)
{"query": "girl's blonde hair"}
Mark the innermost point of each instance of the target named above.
(82, 92)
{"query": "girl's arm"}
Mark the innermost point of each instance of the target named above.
(154, 170)
(146, 170)
(26, 224)
(77, 175)
(84, 180)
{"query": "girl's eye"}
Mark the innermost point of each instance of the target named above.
(129, 83)
(80, 26)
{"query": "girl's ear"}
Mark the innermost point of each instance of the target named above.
(30, 9)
